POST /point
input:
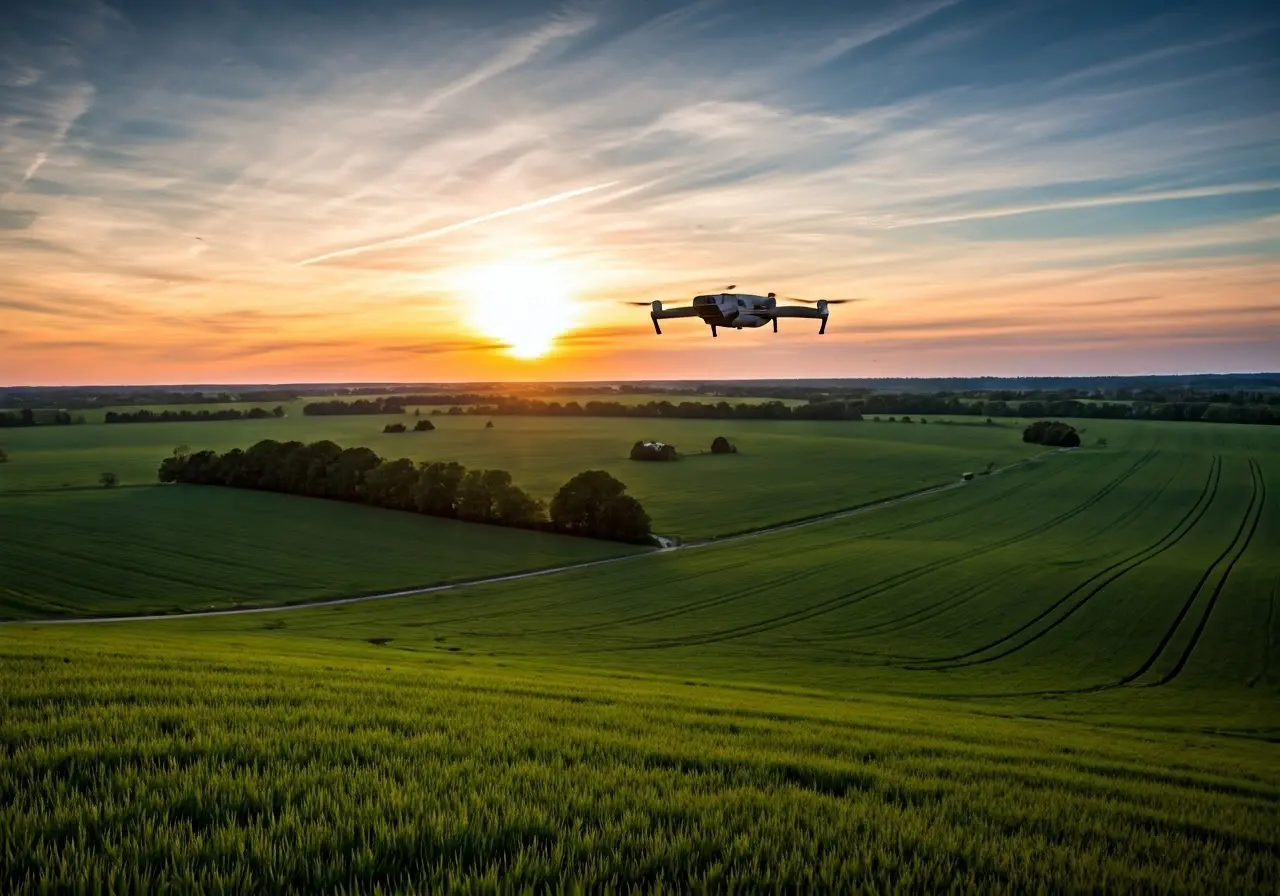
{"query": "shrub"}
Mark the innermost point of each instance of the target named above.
(721, 445)
(109, 480)
(423, 426)
(393, 427)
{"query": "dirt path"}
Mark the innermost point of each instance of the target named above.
(669, 545)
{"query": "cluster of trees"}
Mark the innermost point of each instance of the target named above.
(643, 450)
(186, 416)
(31, 417)
(420, 426)
(1052, 432)
(592, 503)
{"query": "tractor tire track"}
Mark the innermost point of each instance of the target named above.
(1172, 630)
(957, 599)
(1260, 493)
(871, 590)
(1265, 665)
(1107, 575)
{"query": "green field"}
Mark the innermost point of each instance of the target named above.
(1065, 676)
(785, 470)
(169, 549)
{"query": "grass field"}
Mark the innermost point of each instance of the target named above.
(168, 549)
(1061, 677)
(785, 470)
(269, 764)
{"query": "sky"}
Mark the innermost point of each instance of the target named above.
(383, 191)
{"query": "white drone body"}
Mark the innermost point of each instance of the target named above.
(741, 310)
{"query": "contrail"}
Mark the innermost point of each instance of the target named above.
(1096, 202)
(461, 225)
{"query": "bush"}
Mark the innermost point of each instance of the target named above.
(393, 427)
(653, 451)
(4, 456)
(721, 445)
(109, 480)
(423, 426)
(489, 425)
(1053, 433)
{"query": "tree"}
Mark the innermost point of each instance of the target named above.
(277, 411)
(437, 491)
(593, 503)
(423, 426)
(109, 480)
(489, 425)
(393, 484)
(393, 427)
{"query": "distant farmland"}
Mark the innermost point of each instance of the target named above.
(785, 470)
(1063, 676)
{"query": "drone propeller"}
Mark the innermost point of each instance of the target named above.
(639, 304)
(828, 301)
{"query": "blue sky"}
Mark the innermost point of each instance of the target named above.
(313, 192)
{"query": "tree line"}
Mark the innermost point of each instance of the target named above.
(31, 417)
(896, 404)
(339, 408)
(187, 416)
(593, 503)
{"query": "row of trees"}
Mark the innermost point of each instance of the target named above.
(337, 408)
(31, 417)
(868, 405)
(188, 416)
(592, 504)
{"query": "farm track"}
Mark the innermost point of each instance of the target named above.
(451, 586)
(875, 588)
(1107, 575)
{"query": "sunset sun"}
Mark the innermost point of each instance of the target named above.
(524, 304)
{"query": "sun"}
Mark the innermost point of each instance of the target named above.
(525, 304)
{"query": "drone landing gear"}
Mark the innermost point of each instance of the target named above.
(657, 329)
(822, 329)
(713, 329)
(775, 325)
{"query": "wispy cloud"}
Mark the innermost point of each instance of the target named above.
(400, 242)
(325, 182)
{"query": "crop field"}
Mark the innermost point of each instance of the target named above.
(206, 765)
(1064, 676)
(785, 470)
(162, 550)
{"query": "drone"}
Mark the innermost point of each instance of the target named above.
(741, 310)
